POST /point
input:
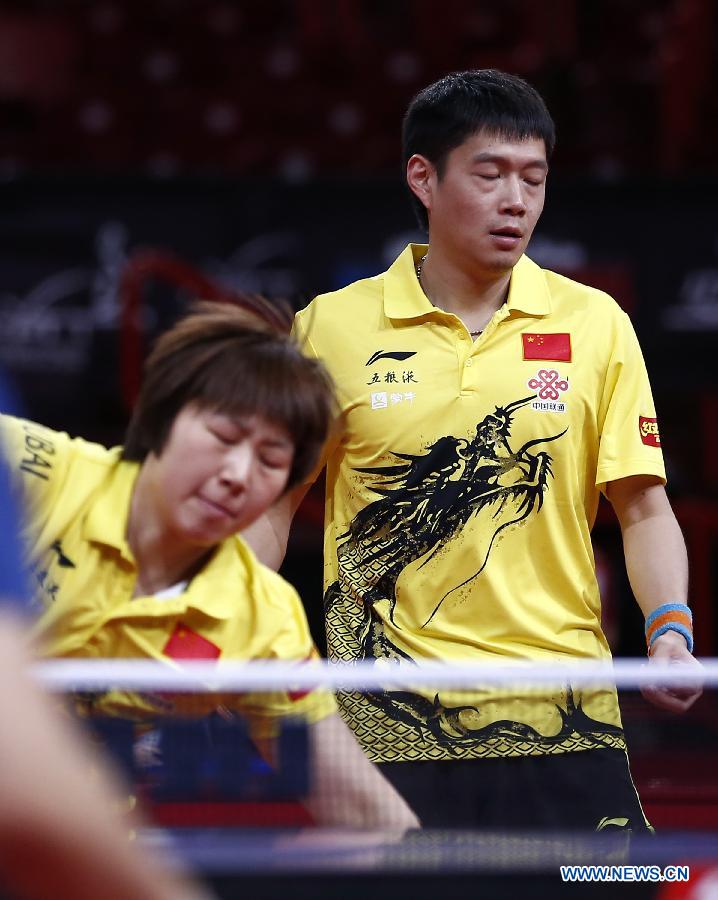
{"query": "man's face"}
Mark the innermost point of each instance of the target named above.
(484, 208)
(216, 474)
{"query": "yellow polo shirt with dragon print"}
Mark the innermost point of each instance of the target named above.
(460, 497)
(77, 499)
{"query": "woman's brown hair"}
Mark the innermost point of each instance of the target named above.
(224, 358)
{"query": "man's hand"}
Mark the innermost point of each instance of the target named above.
(670, 649)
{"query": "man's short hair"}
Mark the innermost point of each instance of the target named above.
(222, 358)
(444, 114)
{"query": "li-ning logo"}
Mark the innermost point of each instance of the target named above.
(399, 355)
(648, 429)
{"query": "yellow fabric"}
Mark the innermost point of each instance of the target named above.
(77, 498)
(458, 518)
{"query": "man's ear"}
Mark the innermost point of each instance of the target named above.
(421, 178)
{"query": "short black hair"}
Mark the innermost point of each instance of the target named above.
(444, 114)
(223, 358)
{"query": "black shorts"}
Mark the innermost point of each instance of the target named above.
(590, 790)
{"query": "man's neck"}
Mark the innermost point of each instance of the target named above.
(472, 296)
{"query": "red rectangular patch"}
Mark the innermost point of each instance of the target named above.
(187, 644)
(300, 694)
(554, 347)
(648, 429)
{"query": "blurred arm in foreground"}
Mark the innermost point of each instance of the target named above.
(59, 830)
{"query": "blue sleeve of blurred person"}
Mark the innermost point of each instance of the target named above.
(13, 577)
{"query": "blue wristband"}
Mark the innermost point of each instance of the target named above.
(670, 617)
(668, 607)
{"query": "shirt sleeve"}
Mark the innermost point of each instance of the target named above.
(14, 587)
(14, 583)
(629, 439)
(291, 642)
(37, 458)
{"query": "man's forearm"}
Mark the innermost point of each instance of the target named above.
(268, 545)
(656, 561)
(653, 544)
(657, 566)
(268, 535)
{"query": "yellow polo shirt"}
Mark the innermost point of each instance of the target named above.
(77, 500)
(461, 496)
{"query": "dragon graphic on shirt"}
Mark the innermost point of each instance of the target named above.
(428, 500)
(441, 511)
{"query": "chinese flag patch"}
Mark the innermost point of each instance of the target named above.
(299, 694)
(187, 644)
(554, 347)
(648, 429)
